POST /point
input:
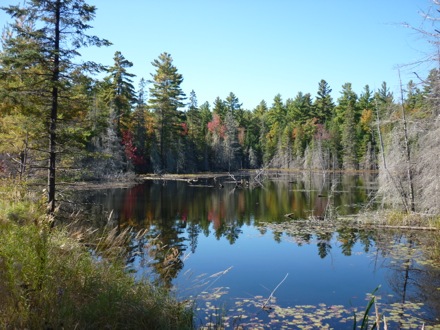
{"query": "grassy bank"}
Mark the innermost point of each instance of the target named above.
(49, 278)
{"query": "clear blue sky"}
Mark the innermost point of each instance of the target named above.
(258, 48)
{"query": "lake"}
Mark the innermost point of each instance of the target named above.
(266, 254)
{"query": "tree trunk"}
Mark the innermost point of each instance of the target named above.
(407, 152)
(54, 113)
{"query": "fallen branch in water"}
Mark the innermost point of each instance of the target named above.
(402, 227)
(271, 295)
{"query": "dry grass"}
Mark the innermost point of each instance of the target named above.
(70, 277)
(399, 220)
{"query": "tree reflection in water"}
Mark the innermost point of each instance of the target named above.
(176, 214)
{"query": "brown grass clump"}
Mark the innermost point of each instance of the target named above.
(50, 277)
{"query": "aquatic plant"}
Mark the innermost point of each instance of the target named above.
(366, 316)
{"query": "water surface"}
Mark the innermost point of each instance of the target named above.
(229, 246)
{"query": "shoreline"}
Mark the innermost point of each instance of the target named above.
(139, 179)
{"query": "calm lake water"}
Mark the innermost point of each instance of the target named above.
(234, 249)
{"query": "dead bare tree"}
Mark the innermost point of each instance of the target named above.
(407, 151)
(413, 150)
(397, 185)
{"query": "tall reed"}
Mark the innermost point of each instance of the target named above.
(53, 278)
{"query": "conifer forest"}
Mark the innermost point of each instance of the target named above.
(58, 120)
(126, 203)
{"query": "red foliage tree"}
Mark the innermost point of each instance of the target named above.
(131, 150)
(216, 126)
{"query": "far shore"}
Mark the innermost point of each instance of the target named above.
(130, 181)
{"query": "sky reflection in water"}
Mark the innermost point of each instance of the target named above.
(210, 230)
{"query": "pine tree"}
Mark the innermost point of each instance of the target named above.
(219, 108)
(385, 100)
(166, 98)
(276, 118)
(206, 117)
(366, 99)
(139, 127)
(196, 133)
(20, 112)
(278, 112)
(57, 32)
(366, 134)
(300, 109)
(121, 95)
(414, 98)
(432, 92)
(192, 105)
(346, 116)
(323, 105)
(233, 105)
(260, 119)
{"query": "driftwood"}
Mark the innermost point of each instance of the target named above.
(271, 295)
(202, 179)
(239, 183)
(202, 185)
(403, 227)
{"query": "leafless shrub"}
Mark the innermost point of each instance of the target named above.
(426, 169)
(424, 137)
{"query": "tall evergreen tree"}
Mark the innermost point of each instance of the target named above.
(166, 100)
(278, 112)
(196, 133)
(323, 105)
(219, 108)
(347, 99)
(121, 95)
(260, 122)
(192, 105)
(139, 129)
(300, 109)
(276, 119)
(384, 94)
(432, 92)
(385, 100)
(232, 103)
(234, 106)
(261, 109)
(59, 31)
(206, 117)
(414, 97)
(366, 133)
(366, 99)
(346, 116)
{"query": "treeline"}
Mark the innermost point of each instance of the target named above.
(109, 127)
(105, 127)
